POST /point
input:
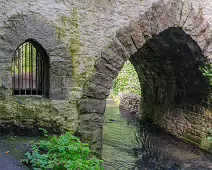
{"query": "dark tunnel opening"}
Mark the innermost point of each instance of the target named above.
(168, 70)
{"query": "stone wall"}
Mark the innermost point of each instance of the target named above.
(73, 34)
(87, 43)
(190, 125)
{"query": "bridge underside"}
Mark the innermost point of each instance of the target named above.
(175, 93)
(168, 70)
(166, 48)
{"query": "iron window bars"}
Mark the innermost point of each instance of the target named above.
(30, 70)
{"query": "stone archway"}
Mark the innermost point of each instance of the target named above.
(128, 41)
(168, 69)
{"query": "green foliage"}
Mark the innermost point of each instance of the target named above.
(207, 71)
(24, 61)
(207, 142)
(65, 152)
(209, 136)
(127, 81)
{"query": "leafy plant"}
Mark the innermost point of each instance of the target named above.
(65, 152)
(127, 81)
(209, 136)
(207, 71)
(207, 141)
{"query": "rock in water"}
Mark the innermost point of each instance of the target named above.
(129, 103)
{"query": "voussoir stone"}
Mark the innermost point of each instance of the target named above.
(96, 91)
(92, 106)
(103, 80)
(106, 68)
(124, 37)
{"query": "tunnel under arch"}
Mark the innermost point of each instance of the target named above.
(168, 67)
(166, 46)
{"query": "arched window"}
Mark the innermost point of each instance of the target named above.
(30, 70)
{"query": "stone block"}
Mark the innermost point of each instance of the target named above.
(123, 35)
(86, 106)
(136, 34)
(103, 80)
(96, 91)
(129, 103)
(118, 49)
(61, 68)
(106, 68)
(112, 58)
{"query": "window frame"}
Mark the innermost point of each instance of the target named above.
(39, 83)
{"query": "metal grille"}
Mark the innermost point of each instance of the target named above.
(29, 70)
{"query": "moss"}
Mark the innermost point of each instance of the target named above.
(206, 144)
(75, 43)
(21, 113)
(71, 24)
(208, 113)
(200, 144)
(60, 32)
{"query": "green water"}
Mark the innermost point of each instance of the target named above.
(119, 139)
(131, 144)
(128, 144)
(12, 150)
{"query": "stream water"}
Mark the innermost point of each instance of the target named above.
(130, 144)
(12, 150)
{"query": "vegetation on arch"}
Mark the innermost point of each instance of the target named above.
(64, 152)
(207, 71)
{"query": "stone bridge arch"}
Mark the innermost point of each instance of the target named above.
(128, 42)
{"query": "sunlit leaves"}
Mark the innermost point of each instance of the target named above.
(65, 152)
(127, 80)
(207, 71)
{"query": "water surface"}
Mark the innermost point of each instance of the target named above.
(128, 144)
(132, 144)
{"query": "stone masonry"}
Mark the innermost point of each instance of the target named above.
(88, 42)
(129, 104)
(173, 86)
